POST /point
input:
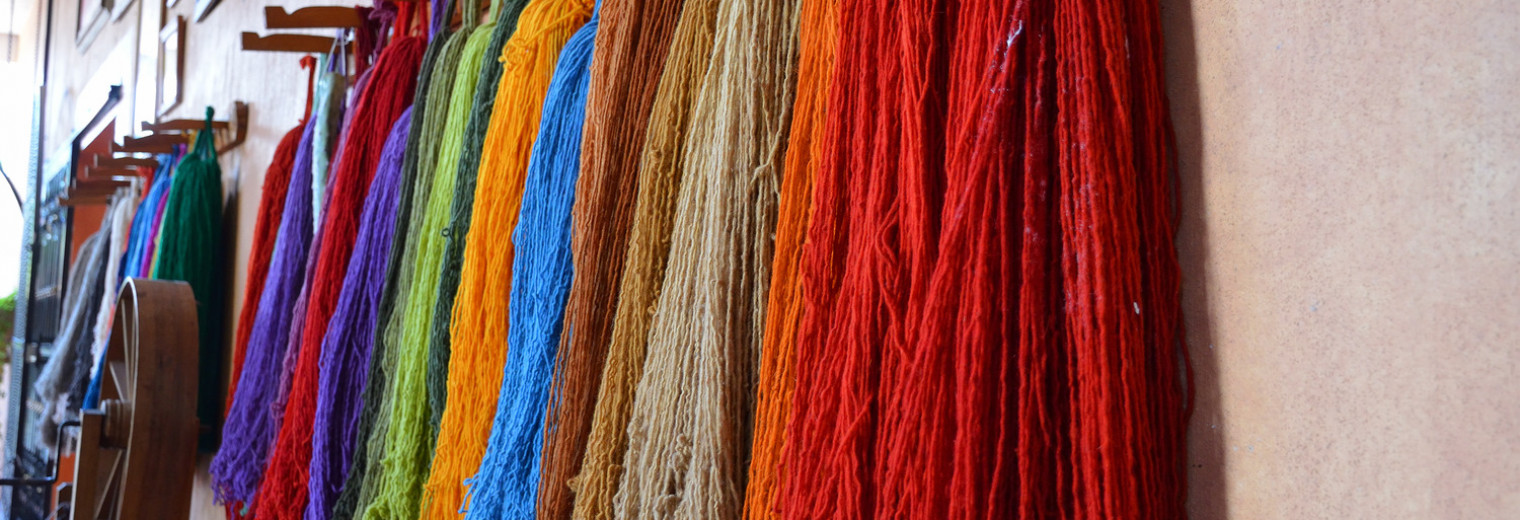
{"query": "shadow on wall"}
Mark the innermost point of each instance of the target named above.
(1207, 489)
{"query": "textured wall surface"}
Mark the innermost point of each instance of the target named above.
(1351, 254)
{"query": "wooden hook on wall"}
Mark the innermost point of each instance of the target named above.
(239, 127)
(182, 125)
(303, 43)
(156, 141)
(275, 17)
(126, 162)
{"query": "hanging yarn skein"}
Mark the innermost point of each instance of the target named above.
(350, 332)
(384, 97)
(328, 112)
(662, 173)
(949, 416)
(74, 337)
(482, 113)
(435, 83)
(190, 249)
(616, 253)
(478, 325)
(849, 257)
(910, 483)
(238, 467)
(397, 488)
(271, 208)
(506, 484)
(123, 205)
(127, 229)
(462, 395)
(1119, 265)
(321, 198)
(440, 344)
(139, 258)
(818, 34)
(695, 401)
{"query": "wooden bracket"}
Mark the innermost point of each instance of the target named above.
(118, 166)
(99, 172)
(154, 140)
(182, 125)
(303, 43)
(93, 191)
(141, 148)
(275, 17)
(170, 133)
(239, 125)
(125, 162)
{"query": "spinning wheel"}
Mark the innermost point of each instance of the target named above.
(137, 452)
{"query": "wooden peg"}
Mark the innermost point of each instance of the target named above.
(141, 148)
(125, 162)
(275, 17)
(304, 43)
(182, 125)
(92, 200)
(105, 184)
(239, 126)
(155, 139)
(96, 172)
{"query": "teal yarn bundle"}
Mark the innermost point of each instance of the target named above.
(190, 250)
(506, 484)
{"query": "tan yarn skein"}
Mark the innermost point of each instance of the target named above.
(773, 396)
(661, 173)
(689, 436)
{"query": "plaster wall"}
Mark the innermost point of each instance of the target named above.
(1350, 183)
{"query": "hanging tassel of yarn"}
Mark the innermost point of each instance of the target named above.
(334, 113)
(851, 277)
(151, 267)
(478, 324)
(123, 204)
(395, 486)
(119, 216)
(689, 434)
(238, 467)
(123, 218)
(437, 363)
(458, 447)
(116, 222)
(350, 332)
(148, 257)
(190, 249)
(622, 231)
(1045, 480)
(818, 34)
(945, 444)
(139, 255)
(662, 174)
(435, 83)
(1127, 408)
(482, 112)
(1166, 356)
(74, 337)
(910, 371)
(328, 110)
(506, 484)
(385, 96)
(271, 208)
